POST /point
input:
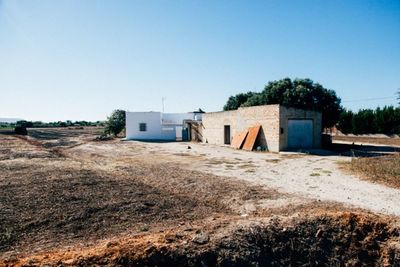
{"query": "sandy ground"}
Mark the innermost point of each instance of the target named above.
(305, 176)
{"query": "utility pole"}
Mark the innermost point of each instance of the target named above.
(162, 100)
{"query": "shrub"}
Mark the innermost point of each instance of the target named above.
(21, 130)
(115, 123)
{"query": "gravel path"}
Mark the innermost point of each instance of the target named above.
(315, 177)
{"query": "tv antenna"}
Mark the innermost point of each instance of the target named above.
(163, 100)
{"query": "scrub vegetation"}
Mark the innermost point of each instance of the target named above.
(384, 169)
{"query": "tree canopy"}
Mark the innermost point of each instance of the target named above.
(234, 102)
(115, 123)
(299, 93)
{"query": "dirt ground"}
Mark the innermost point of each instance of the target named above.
(68, 200)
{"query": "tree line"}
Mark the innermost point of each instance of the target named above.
(384, 120)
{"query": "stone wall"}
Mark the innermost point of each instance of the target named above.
(239, 120)
(272, 118)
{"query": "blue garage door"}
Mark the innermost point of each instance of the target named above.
(300, 133)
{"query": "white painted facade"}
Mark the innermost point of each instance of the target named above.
(158, 126)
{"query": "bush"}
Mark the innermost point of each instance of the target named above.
(115, 123)
(21, 130)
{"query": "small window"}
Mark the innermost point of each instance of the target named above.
(142, 127)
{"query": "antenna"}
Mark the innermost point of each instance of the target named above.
(162, 100)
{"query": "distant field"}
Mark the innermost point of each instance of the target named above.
(5, 130)
(369, 140)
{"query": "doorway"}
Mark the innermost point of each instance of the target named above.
(178, 133)
(227, 134)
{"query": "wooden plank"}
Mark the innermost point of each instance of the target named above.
(251, 138)
(238, 139)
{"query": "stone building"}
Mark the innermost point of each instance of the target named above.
(281, 128)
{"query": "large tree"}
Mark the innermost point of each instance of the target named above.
(115, 123)
(299, 93)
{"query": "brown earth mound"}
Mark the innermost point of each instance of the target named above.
(330, 239)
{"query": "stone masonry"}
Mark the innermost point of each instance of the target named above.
(272, 118)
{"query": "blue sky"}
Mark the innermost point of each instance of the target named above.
(79, 60)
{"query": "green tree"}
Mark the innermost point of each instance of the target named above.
(387, 119)
(299, 93)
(234, 102)
(364, 122)
(115, 123)
(345, 123)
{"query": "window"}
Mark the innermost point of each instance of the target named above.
(142, 127)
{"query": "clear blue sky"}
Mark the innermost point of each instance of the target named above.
(79, 60)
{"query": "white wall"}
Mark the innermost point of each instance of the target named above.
(175, 118)
(152, 119)
(160, 126)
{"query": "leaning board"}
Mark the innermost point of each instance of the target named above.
(251, 138)
(238, 139)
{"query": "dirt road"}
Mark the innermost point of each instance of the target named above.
(299, 175)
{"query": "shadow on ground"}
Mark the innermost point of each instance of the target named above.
(352, 150)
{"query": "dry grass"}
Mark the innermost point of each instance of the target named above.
(66, 200)
(384, 170)
(58, 195)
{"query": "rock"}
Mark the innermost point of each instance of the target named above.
(201, 239)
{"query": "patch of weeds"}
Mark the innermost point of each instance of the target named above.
(219, 162)
(293, 156)
(180, 154)
(273, 160)
(326, 171)
(144, 228)
(214, 162)
(315, 174)
(250, 170)
(229, 166)
(246, 165)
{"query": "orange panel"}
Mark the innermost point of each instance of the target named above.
(251, 138)
(238, 139)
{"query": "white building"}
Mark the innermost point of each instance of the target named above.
(160, 126)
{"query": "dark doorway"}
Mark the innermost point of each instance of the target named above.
(227, 134)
